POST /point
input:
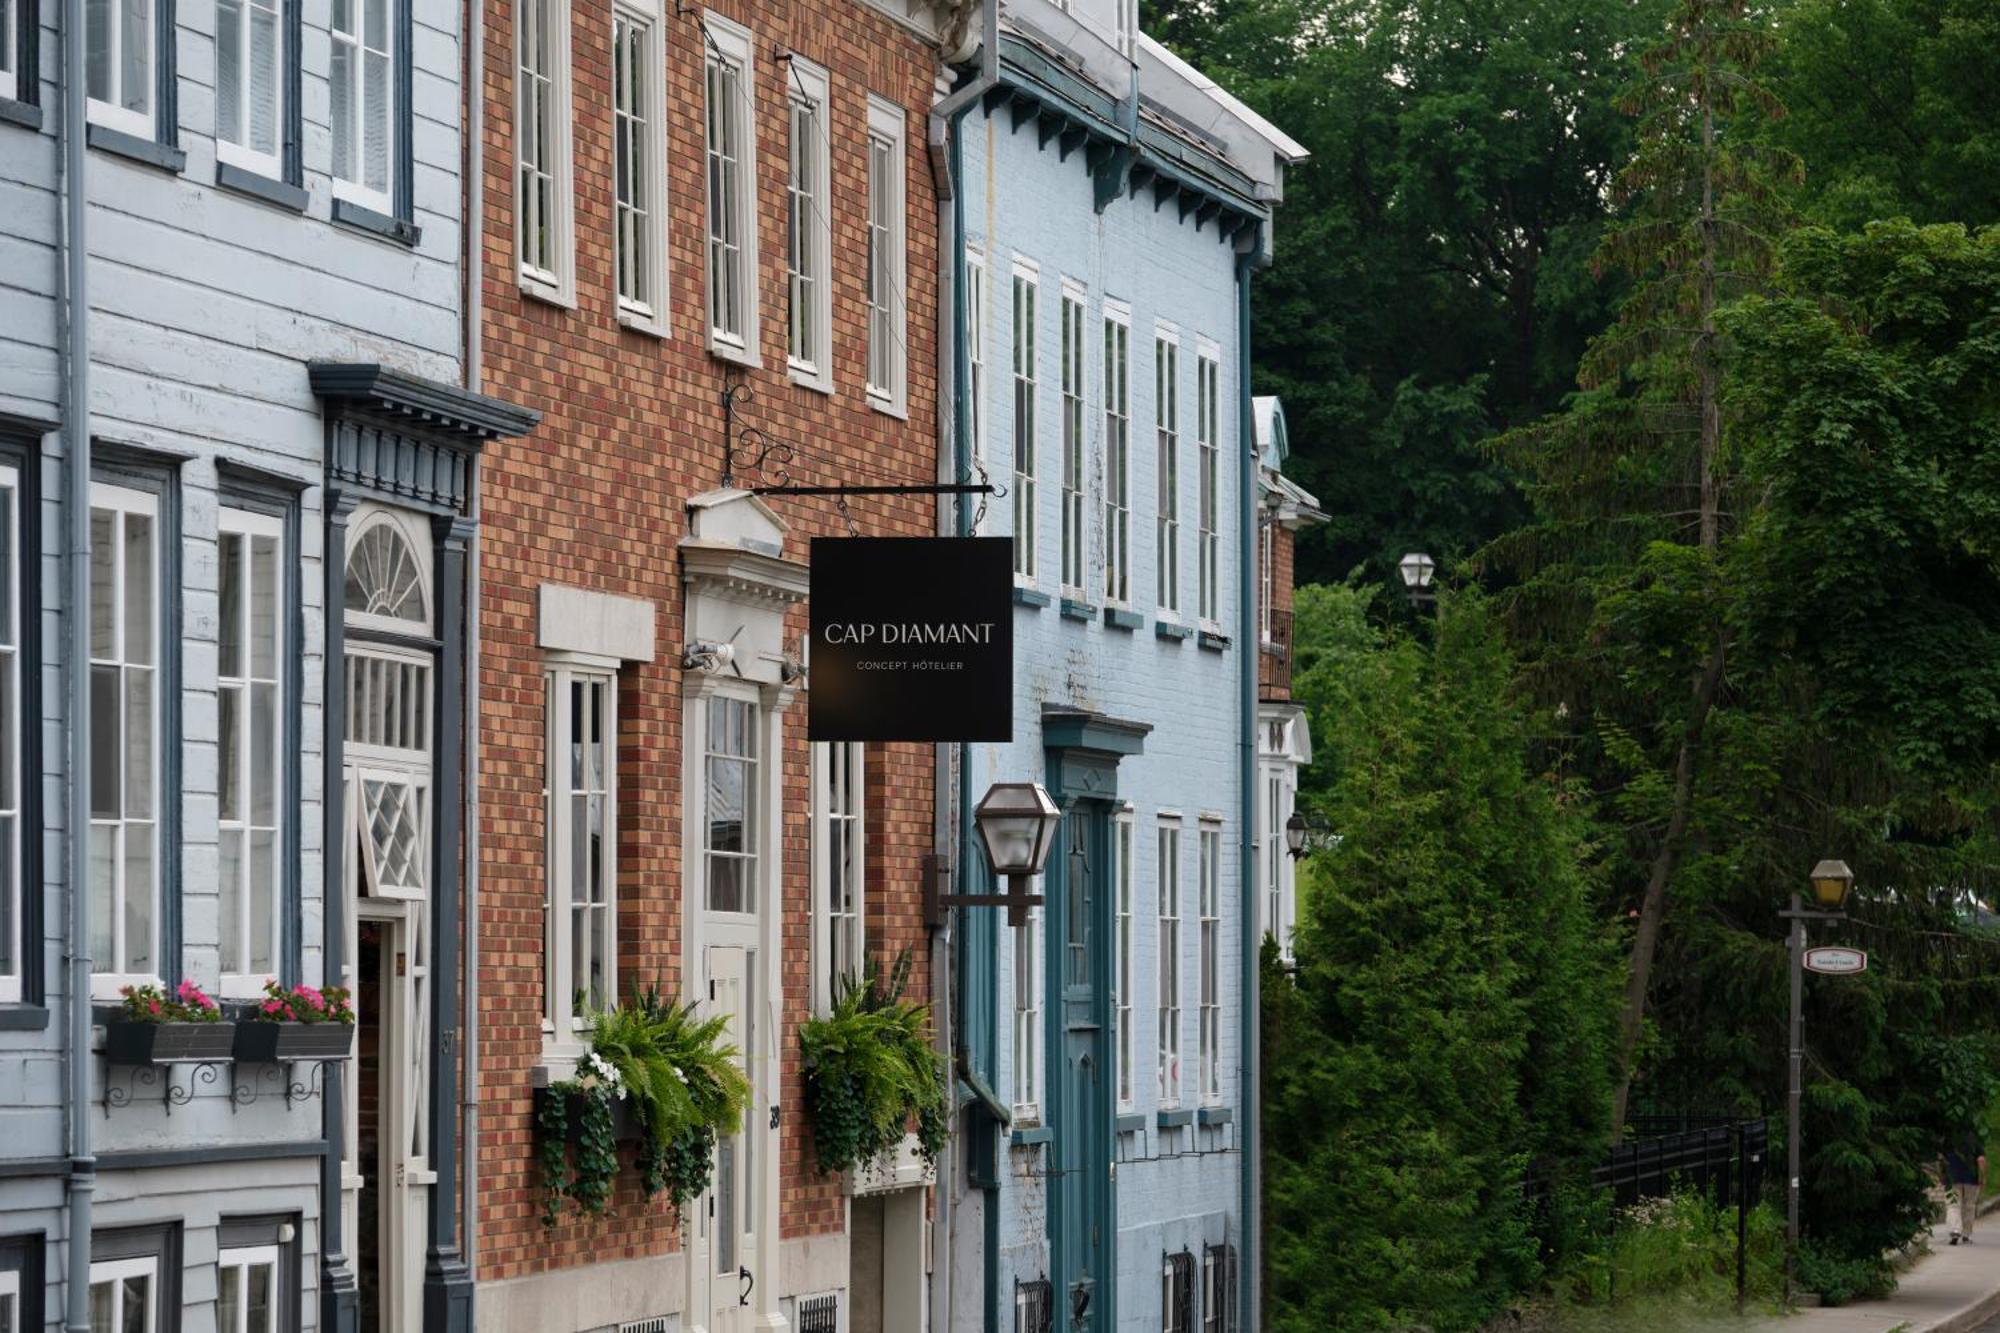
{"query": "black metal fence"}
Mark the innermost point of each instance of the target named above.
(1725, 1161)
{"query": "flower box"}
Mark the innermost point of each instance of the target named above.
(625, 1126)
(270, 1043)
(128, 1043)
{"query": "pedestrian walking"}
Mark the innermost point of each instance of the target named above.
(1963, 1169)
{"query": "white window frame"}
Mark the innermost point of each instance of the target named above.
(839, 798)
(549, 274)
(123, 501)
(115, 1271)
(1024, 309)
(648, 228)
(978, 300)
(565, 1024)
(1074, 537)
(10, 1297)
(1176, 1282)
(1124, 877)
(730, 45)
(1267, 572)
(11, 802)
(1167, 469)
(10, 65)
(1209, 947)
(1214, 1312)
(1029, 963)
(758, 833)
(1168, 924)
(1117, 453)
(355, 189)
(113, 113)
(1208, 481)
(244, 1258)
(242, 155)
(887, 258)
(250, 527)
(809, 223)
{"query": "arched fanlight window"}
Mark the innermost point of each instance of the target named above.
(388, 573)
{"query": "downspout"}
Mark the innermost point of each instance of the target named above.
(1249, 1268)
(82, 1181)
(473, 231)
(945, 129)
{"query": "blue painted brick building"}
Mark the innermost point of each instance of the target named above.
(1113, 205)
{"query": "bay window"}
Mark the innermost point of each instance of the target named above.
(582, 905)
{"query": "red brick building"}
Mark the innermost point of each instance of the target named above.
(681, 203)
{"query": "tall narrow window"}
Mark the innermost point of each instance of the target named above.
(1266, 579)
(1121, 876)
(1177, 1293)
(1166, 406)
(1211, 960)
(543, 190)
(1117, 456)
(732, 798)
(582, 848)
(639, 247)
(1072, 439)
(1028, 1017)
(975, 347)
(13, 900)
(888, 353)
(247, 1294)
(808, 237)
(362, 87)
(839, 831)
(732, 203)
(124, 735)
(1169, 880)
(122, 44)
(12, 1319)
(1208, 545)
(1025, 445)
(250, 106)
(250, 709)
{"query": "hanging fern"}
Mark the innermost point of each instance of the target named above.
(870, 1068)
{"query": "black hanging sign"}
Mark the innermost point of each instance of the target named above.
(912, 639)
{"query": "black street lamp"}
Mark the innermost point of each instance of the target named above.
(1295, 834)
(1831, 882)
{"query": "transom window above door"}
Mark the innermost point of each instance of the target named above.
(388, 575)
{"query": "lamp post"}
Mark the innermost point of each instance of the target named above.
(1831, 880)
(1417, 570)
(1295, 835)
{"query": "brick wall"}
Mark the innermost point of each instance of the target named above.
(596, 498)
(1274, 677)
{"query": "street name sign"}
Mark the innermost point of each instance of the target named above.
(912, 639)
(1836, 962)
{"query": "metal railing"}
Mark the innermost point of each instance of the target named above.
(1274, 670)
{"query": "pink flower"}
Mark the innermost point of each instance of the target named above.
(272, 1006)
(153, 1006)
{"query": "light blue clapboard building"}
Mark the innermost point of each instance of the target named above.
(230, 261)
(1111, 208)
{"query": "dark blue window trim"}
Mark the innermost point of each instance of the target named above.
(1072, 609)
(138, 469)
(1032, 598)
(1119, 618)
(350, 214)
(1176, 1119)
(149, 152)
(20, 448)
(1170, 629)
(283, 194)
(258, 492)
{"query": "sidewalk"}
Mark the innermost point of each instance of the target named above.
(1955, 1289)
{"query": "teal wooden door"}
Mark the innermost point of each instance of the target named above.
(1083, 1234)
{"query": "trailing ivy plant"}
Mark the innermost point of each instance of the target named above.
(870, 1068)
(552, 1120)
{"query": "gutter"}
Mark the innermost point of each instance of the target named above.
(81, 1185)
(472, 233)
(944, 137)
(1250, 1269)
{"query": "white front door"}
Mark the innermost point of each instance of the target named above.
(733, 1201)
(388, 1170)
